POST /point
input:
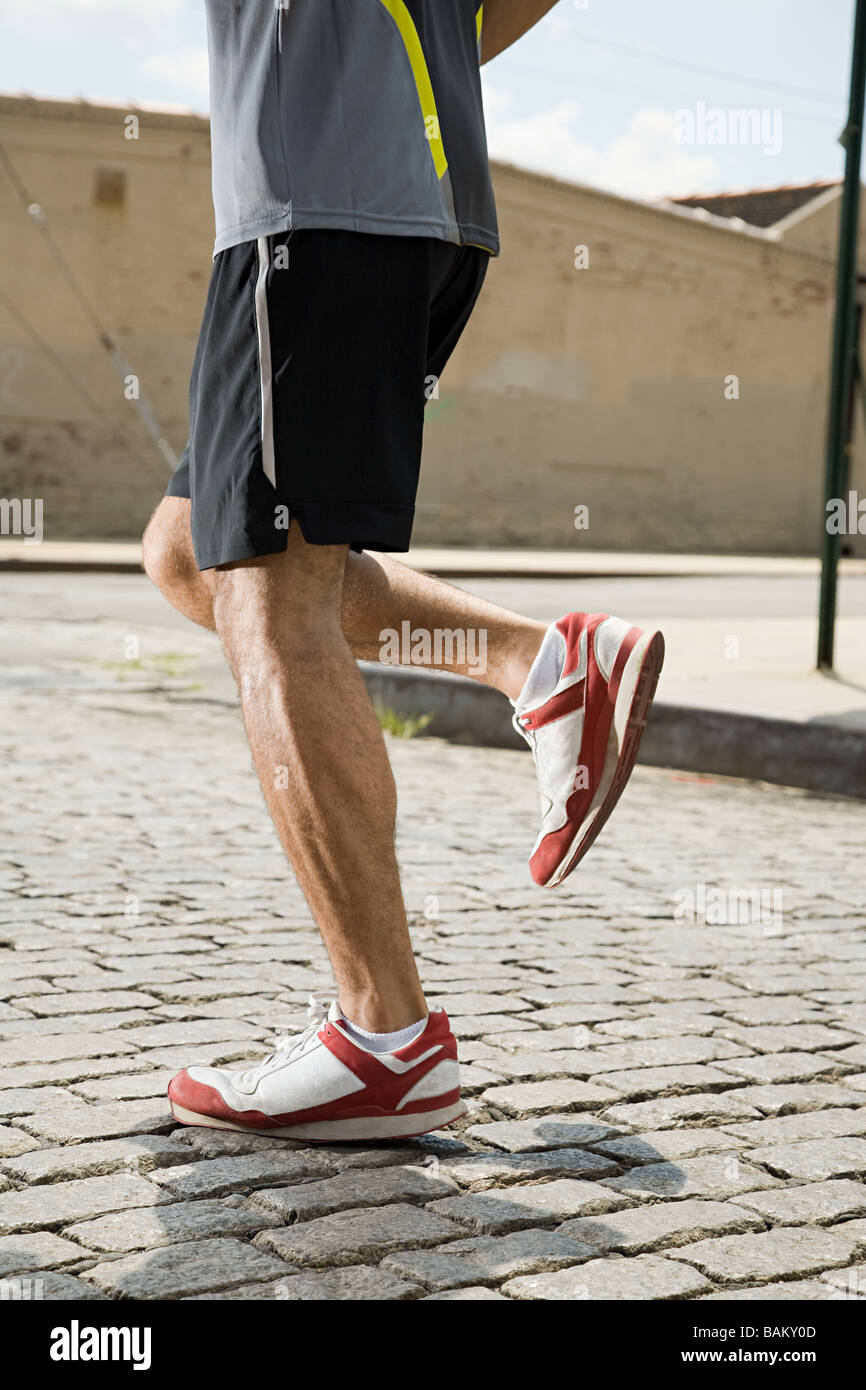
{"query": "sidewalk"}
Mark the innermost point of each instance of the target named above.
(454, 561)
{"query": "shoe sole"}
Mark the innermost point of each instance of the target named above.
(633, 701)
(336, 1131)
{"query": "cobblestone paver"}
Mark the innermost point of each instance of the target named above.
(666, 1101)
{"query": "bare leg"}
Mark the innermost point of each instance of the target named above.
(379, 593)
(321, 759)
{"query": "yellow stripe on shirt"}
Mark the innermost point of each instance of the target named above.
(409, 34)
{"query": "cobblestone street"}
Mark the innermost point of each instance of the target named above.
(665, 1060)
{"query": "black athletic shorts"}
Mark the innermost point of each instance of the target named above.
(317, 354)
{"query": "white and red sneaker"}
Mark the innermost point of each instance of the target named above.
(582, 711)
(322, 1086)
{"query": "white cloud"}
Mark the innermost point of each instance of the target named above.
(187, 69)
(652, 163)
(645, 161)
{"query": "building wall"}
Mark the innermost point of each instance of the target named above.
(601, 387)
(68, 433)
(606, 386)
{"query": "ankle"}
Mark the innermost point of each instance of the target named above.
(382, 1014)
(526, 646)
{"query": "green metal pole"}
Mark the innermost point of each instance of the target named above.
(844, 345)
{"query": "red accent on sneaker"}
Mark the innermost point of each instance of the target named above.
(557, 707)
(600, 699)
(574, 696)
(571, 626)
(206, 1100)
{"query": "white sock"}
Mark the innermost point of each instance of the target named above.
(383, 1042)
(544, 671)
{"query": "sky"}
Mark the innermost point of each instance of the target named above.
(626, 95)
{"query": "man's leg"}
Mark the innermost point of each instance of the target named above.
(582, 687)
(168, 559)
(379, 593)
(320, 756)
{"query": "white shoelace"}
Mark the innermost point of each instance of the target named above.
(527, 734)
(318, 1008)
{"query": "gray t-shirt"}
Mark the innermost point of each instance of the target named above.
(359, 114)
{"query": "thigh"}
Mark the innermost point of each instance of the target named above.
(171, 520)
(167, 541)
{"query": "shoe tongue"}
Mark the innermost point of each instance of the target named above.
(544, 672)
(335, 1013)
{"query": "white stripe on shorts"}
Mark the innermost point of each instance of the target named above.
(265, 386)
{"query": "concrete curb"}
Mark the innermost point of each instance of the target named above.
(124, 557)
(819, 755)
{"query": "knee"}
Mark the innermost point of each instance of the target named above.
(272, 648)
(269, 657)
(166, 548)
(278, 615)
